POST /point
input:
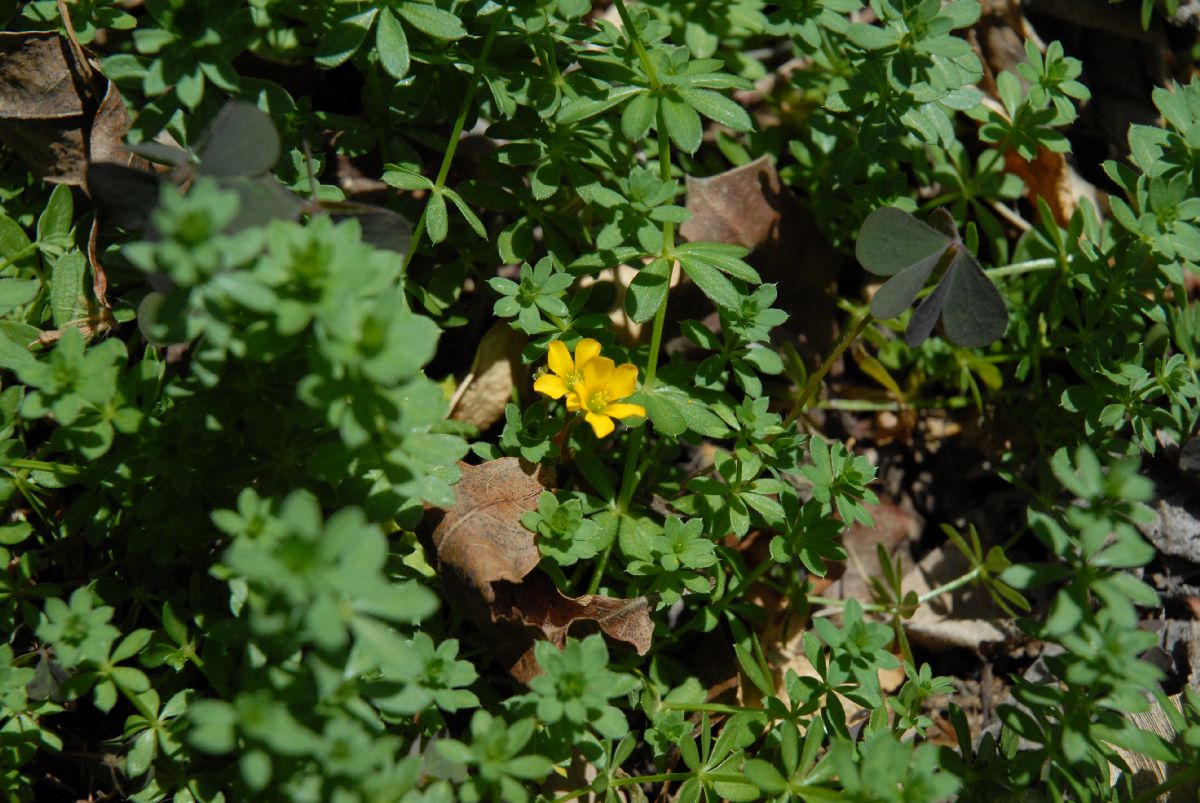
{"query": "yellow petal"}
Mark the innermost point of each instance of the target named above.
(574, 404)
(560, 359)
(623, 381)
(601, 424)
(551, 385)
(596, 374)
(624, 410)
(586, 350)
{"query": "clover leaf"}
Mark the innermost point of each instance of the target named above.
(894, 243)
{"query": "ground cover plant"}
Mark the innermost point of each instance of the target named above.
(561, 400)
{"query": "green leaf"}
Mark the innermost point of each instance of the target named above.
(472, 219)
(638, 116)
(765, 776)
(67, 300)
(346, 36)
(406, 180)
(256, 769)
(711, 282)
(13, 355)
(663, 413)
(15, 533)
(18, 292)
(55, 220)
(871, 37)
(683, 123)
(722, 256)
(15, 246)
(433, 21)
(582, 108)
(392, 45)
(241, 141)
(717, 108)
(648, 290)
(892, 240)
(436, 219)
(213, 723)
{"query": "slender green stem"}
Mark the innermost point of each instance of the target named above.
(866, 405)
(814, 381)
(1048, 263)
(636, 41)
(602, 564)
(455, 136)
(41, 465)
(841, 603)
(630, 476)
(956, 583)
(948, 587)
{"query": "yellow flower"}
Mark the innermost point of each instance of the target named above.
(591, 383)
(565, 372)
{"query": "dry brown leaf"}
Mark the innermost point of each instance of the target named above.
(1050, 178)
(38, 81)
(749, 206)
(535, 609)
(483, 393)
(741, 206)
(486, 559)
(481, 538)
(110, 126)
(56, 114)
(50, 114)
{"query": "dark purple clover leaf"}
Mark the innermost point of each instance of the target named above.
(241, 141)
(894, 243)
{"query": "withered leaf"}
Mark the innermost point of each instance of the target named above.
(49, 114)
(484, 392)
(741, 206)
(486, 560)
(481, 539)
(38, 81)
(536, 609)
(749, 206)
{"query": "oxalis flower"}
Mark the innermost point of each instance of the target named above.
(592, 384)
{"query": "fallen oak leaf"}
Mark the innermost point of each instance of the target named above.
(538, 610)
(51, 115)
(495, 371)
(486, 560)
(481, 538)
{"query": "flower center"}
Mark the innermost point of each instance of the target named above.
(598, 402)
(572, 379)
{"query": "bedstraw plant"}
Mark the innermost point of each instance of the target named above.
(218, 581)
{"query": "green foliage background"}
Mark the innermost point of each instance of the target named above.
(212, 588)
